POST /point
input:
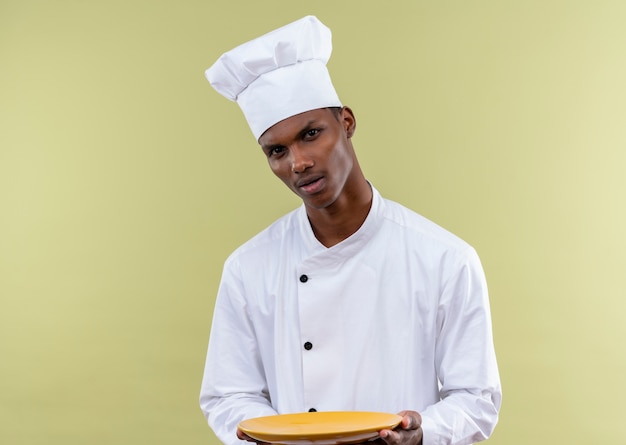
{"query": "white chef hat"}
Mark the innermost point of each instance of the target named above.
(278, 75)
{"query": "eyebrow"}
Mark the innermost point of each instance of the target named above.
(310, 124)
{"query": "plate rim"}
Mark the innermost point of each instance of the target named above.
(334, 436)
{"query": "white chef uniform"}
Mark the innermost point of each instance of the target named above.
(394, 317)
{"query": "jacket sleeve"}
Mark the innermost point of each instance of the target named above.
(465, 360)
(233, 386)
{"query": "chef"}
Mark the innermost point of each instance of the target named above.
(351, 302)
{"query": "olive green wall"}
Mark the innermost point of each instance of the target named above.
(125, 181)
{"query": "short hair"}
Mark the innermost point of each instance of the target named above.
(336, 111)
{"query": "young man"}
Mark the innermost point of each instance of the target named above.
(351, 302)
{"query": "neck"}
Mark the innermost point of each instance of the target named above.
(344, 217)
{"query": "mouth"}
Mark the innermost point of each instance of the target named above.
(310, 185)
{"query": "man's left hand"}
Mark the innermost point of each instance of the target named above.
(408, 432)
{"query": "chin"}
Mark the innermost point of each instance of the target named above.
(318, 204)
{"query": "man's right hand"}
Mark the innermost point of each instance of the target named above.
(243, 436)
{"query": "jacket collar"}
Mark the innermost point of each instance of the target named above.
(348, 247)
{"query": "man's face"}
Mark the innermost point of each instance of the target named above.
(312, 154)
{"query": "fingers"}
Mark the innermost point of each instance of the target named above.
(411, 420)
(402, 437)
(408, 432)
(243, 436)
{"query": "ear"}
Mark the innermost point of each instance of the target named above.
(349, 121)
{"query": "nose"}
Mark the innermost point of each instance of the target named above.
(300, 160)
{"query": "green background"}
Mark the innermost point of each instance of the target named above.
(125, 181)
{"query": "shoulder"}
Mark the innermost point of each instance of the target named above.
(416, 225)
(267, 241)
(434, 248)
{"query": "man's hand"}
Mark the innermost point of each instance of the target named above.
(243, 436)
(408, 432)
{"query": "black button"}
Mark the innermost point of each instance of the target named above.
(308, 345)
(312, 410)
(304, 278)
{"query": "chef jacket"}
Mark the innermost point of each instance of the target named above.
(395, 317)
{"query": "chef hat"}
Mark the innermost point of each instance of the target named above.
(278, 75)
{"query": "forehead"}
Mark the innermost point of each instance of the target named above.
(292, 126)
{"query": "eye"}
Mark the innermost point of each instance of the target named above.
(277, 150)
(310, 134)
